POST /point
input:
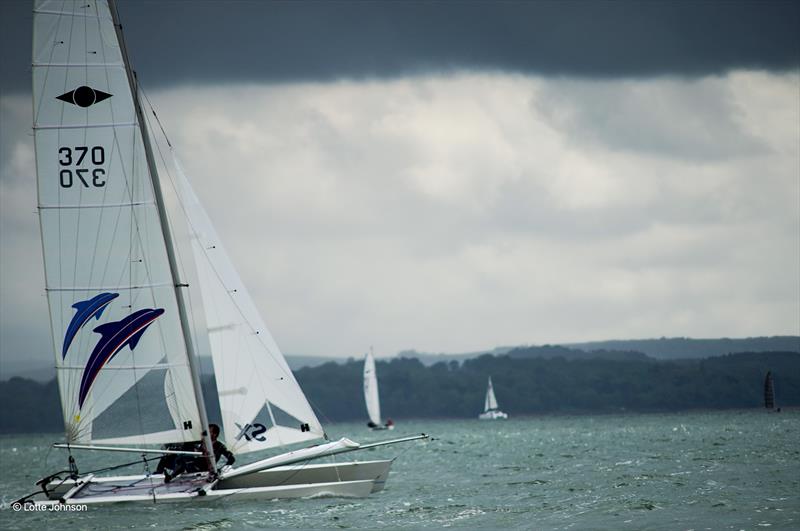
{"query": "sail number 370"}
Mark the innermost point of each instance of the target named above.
(71, 158)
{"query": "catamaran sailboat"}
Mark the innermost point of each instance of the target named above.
(490, 409)
(138, 285)
(371, 397)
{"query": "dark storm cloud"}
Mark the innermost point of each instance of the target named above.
(194, 41)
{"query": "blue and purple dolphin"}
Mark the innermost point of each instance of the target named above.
(85, 310)
(115, 336)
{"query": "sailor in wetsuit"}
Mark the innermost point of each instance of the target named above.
(174, 464)
(219, 448)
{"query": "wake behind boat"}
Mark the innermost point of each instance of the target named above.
(137, 284)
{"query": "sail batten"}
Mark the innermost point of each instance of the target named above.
(111, 205)
(122, 287)
(45, 127)
(82, 65)
(64, 13)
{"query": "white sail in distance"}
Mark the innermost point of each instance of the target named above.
(491, 401)
(371, 390)
(113, 309)
(261, 403)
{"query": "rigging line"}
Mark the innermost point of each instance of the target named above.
(128, 188)
(123, 204)
(136, 86)
(160, 125)
(185, 264)
(46, 457)
(145, 260)
(62, 127)
(123, 465)
(136, 378)
(183, 268)
(60, 13)
(322, 414)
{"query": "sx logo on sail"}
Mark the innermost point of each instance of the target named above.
(256, 430)
(251, 432)
(114, 336)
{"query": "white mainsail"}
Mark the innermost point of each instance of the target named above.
(371, 390)
(110, 290)
(491, 401)
(261, 403)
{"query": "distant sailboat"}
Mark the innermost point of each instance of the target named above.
(371, 397)
(490, 409)
(769, 392)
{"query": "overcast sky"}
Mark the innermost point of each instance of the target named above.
(457, 176)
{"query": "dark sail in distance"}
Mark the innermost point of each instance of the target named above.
(769, 392)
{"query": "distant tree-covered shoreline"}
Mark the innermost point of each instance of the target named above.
(524, 386)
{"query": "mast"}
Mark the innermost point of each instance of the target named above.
(167, 233)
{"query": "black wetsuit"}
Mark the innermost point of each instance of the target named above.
(173, 464)
(220, 450)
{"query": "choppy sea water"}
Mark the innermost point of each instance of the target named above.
(708, 470)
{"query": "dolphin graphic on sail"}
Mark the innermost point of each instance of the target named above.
(85, 310)
(115, 336)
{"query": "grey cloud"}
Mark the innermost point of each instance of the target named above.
(446, 213)
(23, 309)
(177, 42)
(698, 121)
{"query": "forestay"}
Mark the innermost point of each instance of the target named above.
(113, 310)
(261, 403)
(371, 390)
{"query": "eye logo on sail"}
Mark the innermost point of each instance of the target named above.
(84, 96)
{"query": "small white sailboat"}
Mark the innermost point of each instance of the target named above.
(371, 397)
(138, 284)
(490, 409)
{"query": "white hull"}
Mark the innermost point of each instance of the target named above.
(142, 489)
(306, 475)
(493, 415)
(345, 489)
(377, 471)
